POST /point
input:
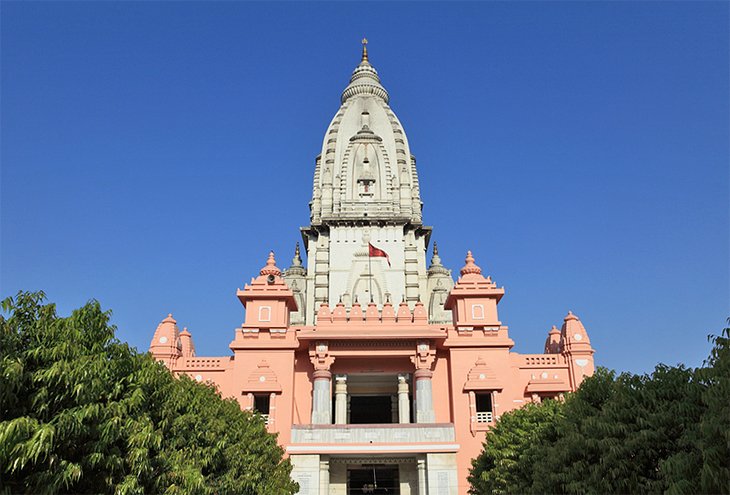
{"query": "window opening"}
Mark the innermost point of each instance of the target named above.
(262, 405)
(484, 407)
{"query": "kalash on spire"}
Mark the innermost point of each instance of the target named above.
(376, 372)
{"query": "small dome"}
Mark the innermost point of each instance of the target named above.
(270, 268)
(470, 266)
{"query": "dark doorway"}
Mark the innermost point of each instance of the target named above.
(371, 409)
(377, 479)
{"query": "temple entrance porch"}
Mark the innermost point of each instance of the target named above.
(374, 478)
(372, 398)
(412, 474)
(374, 475)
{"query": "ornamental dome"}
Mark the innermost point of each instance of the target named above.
(270, 268)
(470, 267)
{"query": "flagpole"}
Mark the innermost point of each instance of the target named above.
(370, 275)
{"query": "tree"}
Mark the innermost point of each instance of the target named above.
(617, 444)
(715, 425)
(702, 465)
(498, 468)
(82, 412)
(664, 432)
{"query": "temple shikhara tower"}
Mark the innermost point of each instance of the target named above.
(379, 373)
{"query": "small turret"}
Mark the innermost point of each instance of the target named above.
(186, 344)
(438, 283)
(552, 343)
(296, 267)
(296, 278)
(267, 299)
(576, 346)
(573, 334)
(474, 298)
(436, 267)
(166, 346)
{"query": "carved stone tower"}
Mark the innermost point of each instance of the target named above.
(365, 193)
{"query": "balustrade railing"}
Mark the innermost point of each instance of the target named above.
(484, 417)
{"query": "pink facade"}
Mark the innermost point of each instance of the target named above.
(378, 397)
(470, 376)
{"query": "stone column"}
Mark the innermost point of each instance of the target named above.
(321, 400)
(324, 476)
(422, 484)
(424, 397)
(404, 405)
(341, 399)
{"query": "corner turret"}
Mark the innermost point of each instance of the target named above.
(166, 346)
(267, 299)
(576, 346)
(296, 279)
(473, 300)
(187, 348)
(439, 283)
(553, 342)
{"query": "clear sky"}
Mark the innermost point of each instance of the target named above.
(153, 152)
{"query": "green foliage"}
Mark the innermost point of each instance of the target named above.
(81, 412)
(667, 432)
(704, 463)
(498, 468)
(715, 425)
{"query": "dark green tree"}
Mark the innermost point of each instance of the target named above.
(703, 465)
(664, 432)
(81, 412)
(498, 468)
(715, 425)
(617, 443)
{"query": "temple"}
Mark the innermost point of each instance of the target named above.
(378, 373)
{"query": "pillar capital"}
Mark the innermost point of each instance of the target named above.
(422, 374)
(322, 375)
(320, 357)
(424, 356)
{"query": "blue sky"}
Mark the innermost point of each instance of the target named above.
(153, 152)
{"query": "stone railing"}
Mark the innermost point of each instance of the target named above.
(205, 363)
(484, 417)
(541, 360)
(373, 434)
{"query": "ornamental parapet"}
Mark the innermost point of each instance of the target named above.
(388, 316)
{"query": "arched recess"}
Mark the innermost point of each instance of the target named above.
(361, 289)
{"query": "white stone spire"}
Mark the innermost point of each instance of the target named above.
(365, 171)
(365, 191)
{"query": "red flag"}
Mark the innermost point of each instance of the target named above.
(378, 253)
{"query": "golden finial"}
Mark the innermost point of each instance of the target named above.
(364, 50)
